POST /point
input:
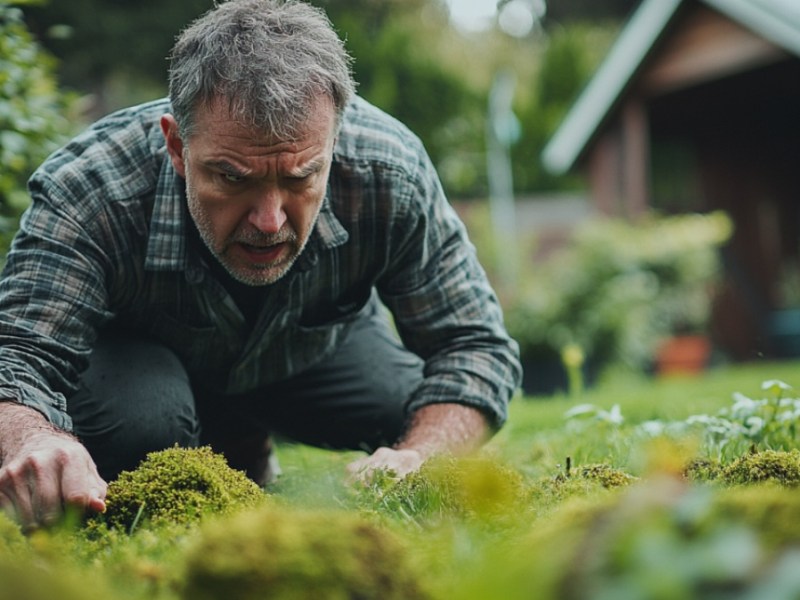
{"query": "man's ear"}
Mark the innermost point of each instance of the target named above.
(169, 127)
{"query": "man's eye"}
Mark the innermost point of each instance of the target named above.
(230, 178)
(298, 179)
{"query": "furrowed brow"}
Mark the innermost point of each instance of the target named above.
(225, 167)
(314, 166)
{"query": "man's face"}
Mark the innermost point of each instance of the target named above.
(255, 199)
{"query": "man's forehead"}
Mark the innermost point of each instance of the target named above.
(218, 115)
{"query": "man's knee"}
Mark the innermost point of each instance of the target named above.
(135, 398)
(357, 398)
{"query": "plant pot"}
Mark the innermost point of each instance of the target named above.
(546, 375)
(784, 332)
(683, 354)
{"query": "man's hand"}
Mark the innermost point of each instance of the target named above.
(43, 469)
(400, 462)
(436, 428)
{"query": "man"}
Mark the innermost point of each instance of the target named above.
(216, 267)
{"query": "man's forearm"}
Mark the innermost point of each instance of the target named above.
(434, 429)
(448, 427)
(18, 423)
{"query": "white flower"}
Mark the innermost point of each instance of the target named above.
(613, 416)
(775, 386)
(753, 425)
(652, 428)
(580, 410)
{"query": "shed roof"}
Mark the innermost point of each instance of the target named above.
(775, 20)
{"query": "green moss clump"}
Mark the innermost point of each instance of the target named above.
(46, 571)
(590, 481)
(768, 466)
(31, 582)
(703, 470)
(772, 510)
(177, 485)
(473, 488)
(12, 540)
(606, 475)
(286, 554)
(147, 564)
(661, 538)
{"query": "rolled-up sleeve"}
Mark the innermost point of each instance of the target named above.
(52, 295)
(445, 308)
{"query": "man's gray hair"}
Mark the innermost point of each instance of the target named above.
(268, 60)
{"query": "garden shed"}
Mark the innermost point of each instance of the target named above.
(697, 108)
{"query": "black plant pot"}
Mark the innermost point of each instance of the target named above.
(545, 375)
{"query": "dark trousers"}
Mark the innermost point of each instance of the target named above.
(136, 398)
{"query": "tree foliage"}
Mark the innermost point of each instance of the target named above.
(396, 71)
(32, 113)
(565, 68)
(408, 60)
(563, 11)
(97, 38)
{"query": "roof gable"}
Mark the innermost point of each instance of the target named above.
(776, 20)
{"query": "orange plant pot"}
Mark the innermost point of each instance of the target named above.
(683, 354)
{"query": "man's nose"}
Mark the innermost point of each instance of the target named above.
(268, 214)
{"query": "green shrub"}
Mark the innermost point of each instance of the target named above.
(178, 485)
(618, 288)
(285, 554)
(33, 113)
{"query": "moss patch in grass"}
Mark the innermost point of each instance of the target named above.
(177, 485)
(767, 466)
(283, 554)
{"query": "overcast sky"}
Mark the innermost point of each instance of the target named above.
(472, 14)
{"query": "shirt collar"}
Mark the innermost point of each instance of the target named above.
(167, 244)
(167, 247)
(328, 233)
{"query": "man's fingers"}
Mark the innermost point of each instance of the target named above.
(35, 487)
(16, 489)
(81, 485)
(7, 506)
(355, 467)
(96, 502)
(76, 493)
(45, 494)
(400, 462)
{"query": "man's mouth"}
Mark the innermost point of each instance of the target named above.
(263, 253)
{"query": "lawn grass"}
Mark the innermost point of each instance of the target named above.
(551, 509)
(535, 439)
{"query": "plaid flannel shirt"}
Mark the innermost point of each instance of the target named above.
(105, 243)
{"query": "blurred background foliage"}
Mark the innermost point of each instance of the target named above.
(34, 114)
(409, 60)
(65, 63)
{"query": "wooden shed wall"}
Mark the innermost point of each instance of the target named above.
(712, 121)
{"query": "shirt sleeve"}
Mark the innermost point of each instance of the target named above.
(444, 307)
(52, 294)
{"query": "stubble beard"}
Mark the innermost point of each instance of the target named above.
(252, 274)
